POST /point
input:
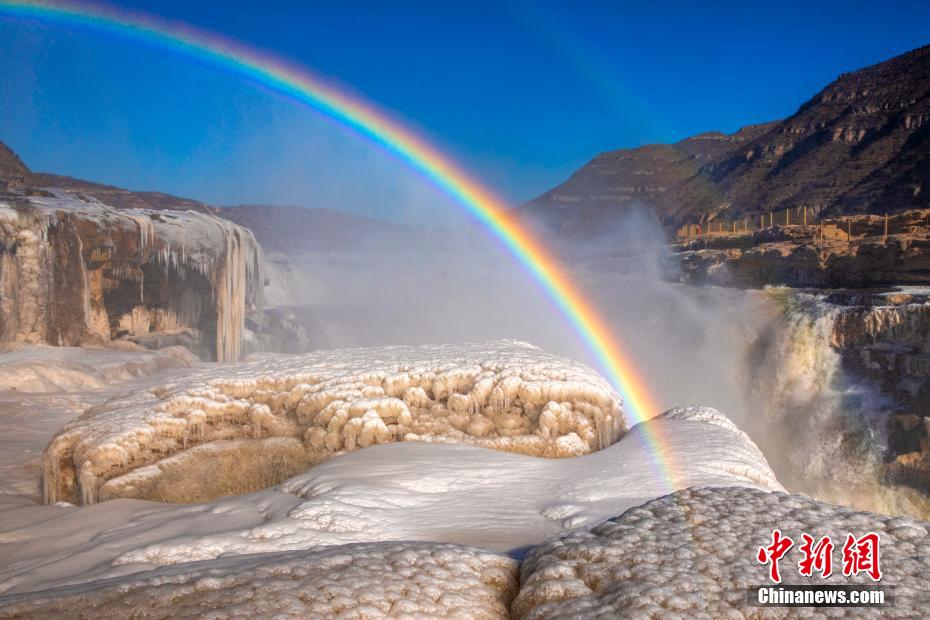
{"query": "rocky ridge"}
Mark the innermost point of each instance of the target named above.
(861, 145)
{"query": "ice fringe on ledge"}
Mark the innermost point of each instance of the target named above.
(235, 429)
(36, 275)
(692, 555)
(413, 580)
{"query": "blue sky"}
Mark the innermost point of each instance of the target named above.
(521, 94)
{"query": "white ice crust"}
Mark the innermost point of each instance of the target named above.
(42, 388)
(235, 428)
(401, 491)
(43, 369)
(395, 580)
(692, 555)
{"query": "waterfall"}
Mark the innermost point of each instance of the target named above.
(823, 430)
(237, 282)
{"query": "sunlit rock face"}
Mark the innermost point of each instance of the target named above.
(858, 146)
(693, 553)
(74, 271)
(415, 580)
(239, 428)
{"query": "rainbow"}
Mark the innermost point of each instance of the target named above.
(367, 120)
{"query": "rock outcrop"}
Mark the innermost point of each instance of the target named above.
(75, 271)
(861, 145)
(847, 252)
(885, 339)
(13, 172)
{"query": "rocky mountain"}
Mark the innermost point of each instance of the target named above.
(15, 175)
(84, 263)
(13, 172)
(284, 229)
(118, 197)
(861, 145)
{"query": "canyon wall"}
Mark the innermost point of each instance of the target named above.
(75, 271)
(860, 145)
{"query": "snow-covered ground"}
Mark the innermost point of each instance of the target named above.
(399, 580)
(43, 388)
(401, 491)
(429, 517)
(43, 369)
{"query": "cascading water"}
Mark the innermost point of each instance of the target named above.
(822, 430)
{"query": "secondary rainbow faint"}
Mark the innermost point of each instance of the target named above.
(362, 116)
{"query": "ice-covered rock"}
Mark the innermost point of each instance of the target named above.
(400, 491)
(42, 388)
(271, 417)
(74, 271)
(693, 553)
(397, 580)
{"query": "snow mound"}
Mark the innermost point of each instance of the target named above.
(41, 369)
(163, 443)
(693, 553)
(413, 580)
(399, 491)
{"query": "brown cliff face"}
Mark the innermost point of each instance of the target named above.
(847, 252)
(665, 177)
(84, 263)
(885, 338)
(861, 145)
(13, 172)
(78, 272)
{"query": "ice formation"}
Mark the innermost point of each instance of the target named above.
(400, 491)
(274, 416)
(42, 388)
(75, 271)
(692, 554)
(42, 369)
(399, 580)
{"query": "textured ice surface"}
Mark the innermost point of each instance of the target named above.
(399, 580)
(42, 388)
(43, 369)
(401, 491)
(164, 443)
(691, 555)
